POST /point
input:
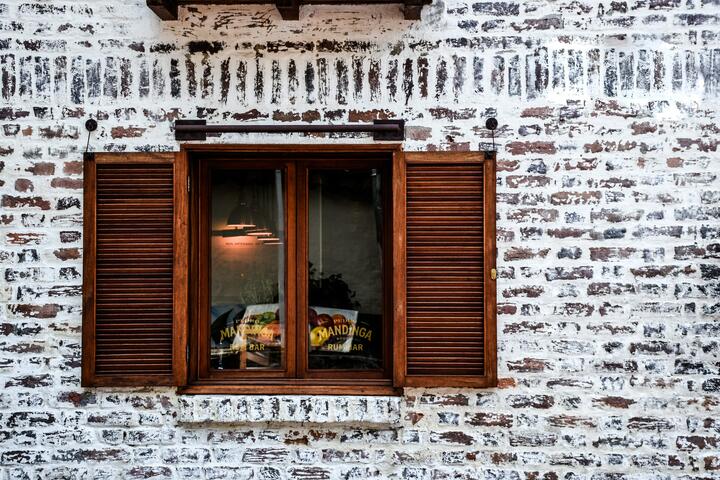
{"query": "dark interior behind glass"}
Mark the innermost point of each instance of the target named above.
(247, 260)
(345, 281)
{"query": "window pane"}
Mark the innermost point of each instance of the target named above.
(247, 269)
(345, 281)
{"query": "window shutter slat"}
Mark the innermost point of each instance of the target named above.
(131, 280)
(450, 250)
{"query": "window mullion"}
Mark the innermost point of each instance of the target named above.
(290, 271)
(301, 270)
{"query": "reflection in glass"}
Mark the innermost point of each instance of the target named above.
(345, 295)
(247, 269)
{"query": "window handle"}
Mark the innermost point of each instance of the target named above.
(493, 274)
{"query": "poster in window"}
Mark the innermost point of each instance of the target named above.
(332, 329)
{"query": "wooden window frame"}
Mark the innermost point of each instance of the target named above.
(295, 377)
(383, 375)
(185, 372)
(200, 283)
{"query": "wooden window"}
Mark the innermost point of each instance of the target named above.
(276, 269)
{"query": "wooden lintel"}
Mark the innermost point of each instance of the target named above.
(289, 9)
(165, 9)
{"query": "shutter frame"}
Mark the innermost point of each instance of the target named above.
(402, 376)
(175, 371)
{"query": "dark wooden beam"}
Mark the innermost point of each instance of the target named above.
(165, 9)
(289, 9)
(412, 10)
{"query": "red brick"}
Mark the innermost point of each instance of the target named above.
(24, 185)
(42, 168)
(72, 183)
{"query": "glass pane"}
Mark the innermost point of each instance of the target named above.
(247, 269)
(345, 284)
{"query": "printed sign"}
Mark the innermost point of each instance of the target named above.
(259, 329)
(333, 329)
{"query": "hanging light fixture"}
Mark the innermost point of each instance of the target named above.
(241, 216)
(261, 215)
(261, 227)
(270, 240)
(239, 220)
(249, 218)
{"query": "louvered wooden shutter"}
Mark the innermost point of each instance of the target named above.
(135, 263)
(448, 337)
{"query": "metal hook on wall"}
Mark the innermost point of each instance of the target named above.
(90, 125)
(492, 124)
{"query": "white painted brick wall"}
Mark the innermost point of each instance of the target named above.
(608, 231)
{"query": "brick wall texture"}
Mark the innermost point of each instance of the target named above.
(608, 230)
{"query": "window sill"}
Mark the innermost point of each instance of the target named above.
(370, 388)
(371, 410)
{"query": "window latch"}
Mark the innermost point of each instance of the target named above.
(493, 274)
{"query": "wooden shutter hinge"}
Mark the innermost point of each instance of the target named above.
(493, 274)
